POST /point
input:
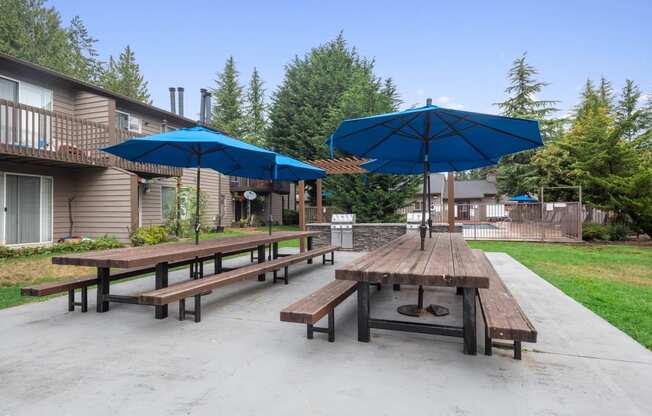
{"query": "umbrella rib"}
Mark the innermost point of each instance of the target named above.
(516, 136)
(384, 139)
(149, 151)
(382, 123)
(459, 133)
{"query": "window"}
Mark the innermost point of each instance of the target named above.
(35, 96)
(168, 201)
(126, 121)
(8, 89)
(27, 214)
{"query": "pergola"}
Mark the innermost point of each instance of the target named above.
(346, 165)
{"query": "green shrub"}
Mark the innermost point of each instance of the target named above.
(618, 231)
(101, 243)
(151, 235)
(591, 232)
(290, 217)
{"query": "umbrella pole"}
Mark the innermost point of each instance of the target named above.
(429, 208)
(422, 228)
(269, 207)
(197, 204)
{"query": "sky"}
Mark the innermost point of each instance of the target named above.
(457, 53)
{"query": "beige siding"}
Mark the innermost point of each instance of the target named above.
(210, 184)
(63, 99)
(94, 107)
(103, 204)
(152, 207)
(277, 208)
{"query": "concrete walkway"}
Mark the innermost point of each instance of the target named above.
(241, 360)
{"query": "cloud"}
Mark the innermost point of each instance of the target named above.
(419, 92)
(456, 106)
(444, 99)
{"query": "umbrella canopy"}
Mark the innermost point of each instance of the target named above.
(523, 198)
(194, 147)
(416, 168)
(450, 135)
(435, 137)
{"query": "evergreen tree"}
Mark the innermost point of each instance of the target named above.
(628, 115)
(227, 110)
(515, 174)
(123, 77)
(311, 89)
(606, 94)
(84, 62)
(255, 121)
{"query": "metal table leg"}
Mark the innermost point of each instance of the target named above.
(161, 311)
(102, 288)
(310, 248)
(363, 312)
(261, 259)
(468, 318)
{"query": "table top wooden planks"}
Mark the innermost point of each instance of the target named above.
(446, 261)
(170, 252)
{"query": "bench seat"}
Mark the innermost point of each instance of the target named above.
(315, 306)
(504, 318)
(195, 288)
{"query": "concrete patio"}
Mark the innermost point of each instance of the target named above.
(242, 360)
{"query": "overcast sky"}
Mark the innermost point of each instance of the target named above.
(458, 53)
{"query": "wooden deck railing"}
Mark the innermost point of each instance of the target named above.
(31, 132)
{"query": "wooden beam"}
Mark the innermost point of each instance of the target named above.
(301, 189)
(319, 217)
(451, 202)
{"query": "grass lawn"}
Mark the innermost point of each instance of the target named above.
(17, 273)
(614, 281)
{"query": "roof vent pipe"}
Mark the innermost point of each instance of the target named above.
(202, 106)
(173, 107)
(207, 110)
(180, 91)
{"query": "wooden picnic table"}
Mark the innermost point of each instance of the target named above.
(163, 256)
(446, 261)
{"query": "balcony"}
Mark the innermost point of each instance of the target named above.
(238, 184)
(48, 137)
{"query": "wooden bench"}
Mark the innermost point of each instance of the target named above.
(315, 306)
(196, 288)
(82, 283)
(503, 317)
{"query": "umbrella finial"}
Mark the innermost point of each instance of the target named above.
(428, 101)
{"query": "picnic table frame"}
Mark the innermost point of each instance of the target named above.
(170, 255)
(446, 261)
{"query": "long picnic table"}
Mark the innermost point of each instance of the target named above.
(163, 255)
(446, 261)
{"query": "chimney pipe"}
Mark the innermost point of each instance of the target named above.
(173, 106)
(208, 111)
(202, 106)
(429, 101)
(180, 90)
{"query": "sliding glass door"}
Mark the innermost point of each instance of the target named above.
(28, 209)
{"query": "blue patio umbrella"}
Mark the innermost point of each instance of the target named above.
(196, 147)
(523, 198)
(281, 168)
(436, 136)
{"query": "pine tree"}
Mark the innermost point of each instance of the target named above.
(83, 60)
(123, 77)
(255, 121)
(311, 89)
(515, 174)
(227, 110)
(606, 94)
(628, 115)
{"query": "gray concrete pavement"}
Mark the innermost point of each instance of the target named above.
(241, 360)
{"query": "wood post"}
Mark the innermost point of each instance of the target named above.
(319, 215)
(301, 189)
(451, 202)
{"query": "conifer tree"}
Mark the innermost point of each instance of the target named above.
(227, 108)
(84, 58)
(515, 173)
(628, 115)
(123, 77)
(255, 121)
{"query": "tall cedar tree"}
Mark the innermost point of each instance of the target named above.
(227, 108)
(123, 76)
(515, 173)
(255, 121)
(31, 31)
(328, 84)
